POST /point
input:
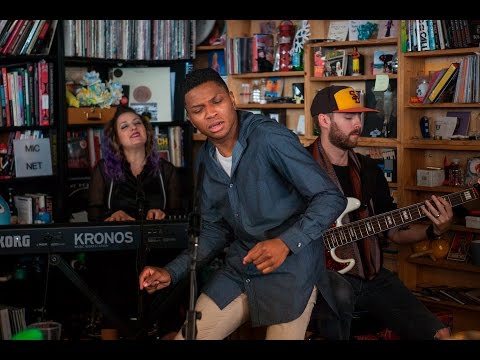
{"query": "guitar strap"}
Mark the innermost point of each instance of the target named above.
(366, 251)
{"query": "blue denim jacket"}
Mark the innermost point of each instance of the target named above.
(276, 190)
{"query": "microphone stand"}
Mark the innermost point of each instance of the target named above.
(141, 258)
(189, 330)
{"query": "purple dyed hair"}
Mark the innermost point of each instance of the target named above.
(113, 152)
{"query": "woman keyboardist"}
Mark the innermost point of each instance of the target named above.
(132, 182)
(132, 178)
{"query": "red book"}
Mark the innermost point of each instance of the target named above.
(43, 87)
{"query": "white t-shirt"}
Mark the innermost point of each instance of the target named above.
(226, 162)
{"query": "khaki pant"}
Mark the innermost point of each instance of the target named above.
(217, 324)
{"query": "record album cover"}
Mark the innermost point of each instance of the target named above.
(150, 88)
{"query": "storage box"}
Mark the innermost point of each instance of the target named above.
(430, 177)
(90, 115)
(472, 222)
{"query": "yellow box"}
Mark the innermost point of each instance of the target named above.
(90, 115)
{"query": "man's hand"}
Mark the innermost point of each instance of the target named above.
(154, 278)
(440, 213)
(267, 255)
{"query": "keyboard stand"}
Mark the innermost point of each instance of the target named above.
(76, 280)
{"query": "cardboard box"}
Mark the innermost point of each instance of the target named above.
(472, 222)
(430, 177)
(90, 115)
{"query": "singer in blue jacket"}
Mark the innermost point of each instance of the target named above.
(263, 197)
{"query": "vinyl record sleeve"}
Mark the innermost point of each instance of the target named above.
(149, 86)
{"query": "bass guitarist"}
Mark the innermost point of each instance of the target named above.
(368, 286)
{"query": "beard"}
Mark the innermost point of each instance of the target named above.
(340, 140)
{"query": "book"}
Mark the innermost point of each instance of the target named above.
(77, 147)
(447, 76)
(463, 121)
(387, 29)
(25, 208)
(451, 296)
(162, 143)
(338, 30)
(474, 295)
(460, 245)
(434, 79)
(447, 94)
(382, 61)
(274, 87)
(262, 53)
(216, 61)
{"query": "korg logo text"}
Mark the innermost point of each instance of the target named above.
(98, 239)
(14, 241)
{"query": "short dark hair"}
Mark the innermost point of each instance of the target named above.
(201, 76)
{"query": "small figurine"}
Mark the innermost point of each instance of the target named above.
(422, 87)
(355, 62)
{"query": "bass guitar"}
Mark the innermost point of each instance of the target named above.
(341, 235)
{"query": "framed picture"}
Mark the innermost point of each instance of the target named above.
(279, 115)
(336, 62)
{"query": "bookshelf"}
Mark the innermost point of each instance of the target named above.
(24, 275)
(26, 63)
(420, 153)
(154, 64)
(411, 150)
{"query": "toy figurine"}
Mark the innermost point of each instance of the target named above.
(355, 62)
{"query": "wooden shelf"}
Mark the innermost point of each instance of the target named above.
(445, 264)
(349, 78)
(449, 304)
(442, 53)
(268, 74)
(464, 228)
(443, 105)
(442, 144)
(271, 106)
(384, 142)
(305, 140)
(209, 47)
(439, 189)
(390, 256)
(363, 43)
